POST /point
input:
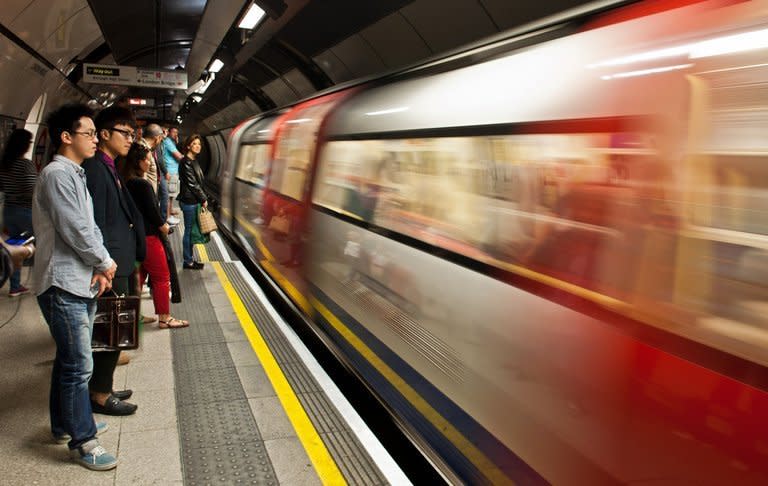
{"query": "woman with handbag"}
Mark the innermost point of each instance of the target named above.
(191, 193)
(155, 263)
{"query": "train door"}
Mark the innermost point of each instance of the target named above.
(285, 203)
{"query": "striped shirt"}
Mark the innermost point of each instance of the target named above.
(17, 182)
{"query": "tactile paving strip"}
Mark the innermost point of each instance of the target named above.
(348, 453)
(220, 440)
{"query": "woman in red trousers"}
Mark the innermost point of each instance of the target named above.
(155, 263)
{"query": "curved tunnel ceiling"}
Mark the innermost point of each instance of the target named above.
(300, 47)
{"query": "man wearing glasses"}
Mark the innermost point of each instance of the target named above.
(72, 268)
(116, 216)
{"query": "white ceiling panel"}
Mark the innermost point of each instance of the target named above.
(333, 67)
(44, 18)
(446, 24)
(12, 9)
(299, 82)
(69, 40)
(395, 41)
(25, 74)
(279, 92)
(358, 56)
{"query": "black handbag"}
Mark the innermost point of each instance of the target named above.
(116, 325)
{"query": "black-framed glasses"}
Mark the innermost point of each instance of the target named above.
(89, 133)
(129, 134)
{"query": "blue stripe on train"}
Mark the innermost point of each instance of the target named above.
(512, 465)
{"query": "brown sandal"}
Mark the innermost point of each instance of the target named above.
(171, 323)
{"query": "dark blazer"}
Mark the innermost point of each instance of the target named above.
(116, 215)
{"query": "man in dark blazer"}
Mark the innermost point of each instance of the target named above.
(116, 216)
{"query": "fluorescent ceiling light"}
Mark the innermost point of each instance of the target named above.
(643, 72)
(252, 17)
(216, 66)
(389, 111)
(299, 120)
(747, 41)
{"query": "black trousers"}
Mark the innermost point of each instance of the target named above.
(105, 362)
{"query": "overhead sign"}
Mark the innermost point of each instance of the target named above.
(141, 102)
(133, 76)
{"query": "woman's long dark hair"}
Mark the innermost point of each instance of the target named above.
(17, 146)
(132, 164)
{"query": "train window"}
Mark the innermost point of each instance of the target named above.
(504, 200)
(253, 163)
(292, 155)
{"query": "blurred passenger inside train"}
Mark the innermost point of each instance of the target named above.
(122, 229)
(157, 264)
(71, 269)
(191, 194)
(18, 177)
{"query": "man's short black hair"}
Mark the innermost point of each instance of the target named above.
(66, 119)
(114, 115)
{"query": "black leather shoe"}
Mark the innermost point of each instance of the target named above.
(194, 266)
(122, 394)
(113, 406)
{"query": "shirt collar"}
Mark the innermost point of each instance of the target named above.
(106, 159)
(69, 163)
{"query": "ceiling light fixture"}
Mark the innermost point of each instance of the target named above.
(216, 66)
(252, 17)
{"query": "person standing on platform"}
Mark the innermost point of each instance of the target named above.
(72, 267)
(172, 157)
(153, 134)
(116, 216)
(17, 179)
(162, 177)
(191, 194)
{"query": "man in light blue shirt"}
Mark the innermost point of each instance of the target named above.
(171, 156)
(72, 268)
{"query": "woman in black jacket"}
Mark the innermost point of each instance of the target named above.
(155, 263)
(191, 193)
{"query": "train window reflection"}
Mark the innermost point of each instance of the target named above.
(252, 166)
(504, 200)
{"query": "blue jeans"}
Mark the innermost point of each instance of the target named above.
(162, 195)
(70, 319)
(190, 215)
(17, 220)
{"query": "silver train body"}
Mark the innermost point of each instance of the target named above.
(547, 256)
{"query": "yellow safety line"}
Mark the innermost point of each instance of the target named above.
(202, 252)
(475, 455)
(325, 466)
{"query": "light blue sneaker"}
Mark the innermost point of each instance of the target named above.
(94, 456)
(101, 427)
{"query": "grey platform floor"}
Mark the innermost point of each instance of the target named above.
(147, 443)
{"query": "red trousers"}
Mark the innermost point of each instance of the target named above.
(156, 266)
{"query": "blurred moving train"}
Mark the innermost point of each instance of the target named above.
(547, 255)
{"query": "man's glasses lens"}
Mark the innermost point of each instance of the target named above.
(89, 133)
(125, 133)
